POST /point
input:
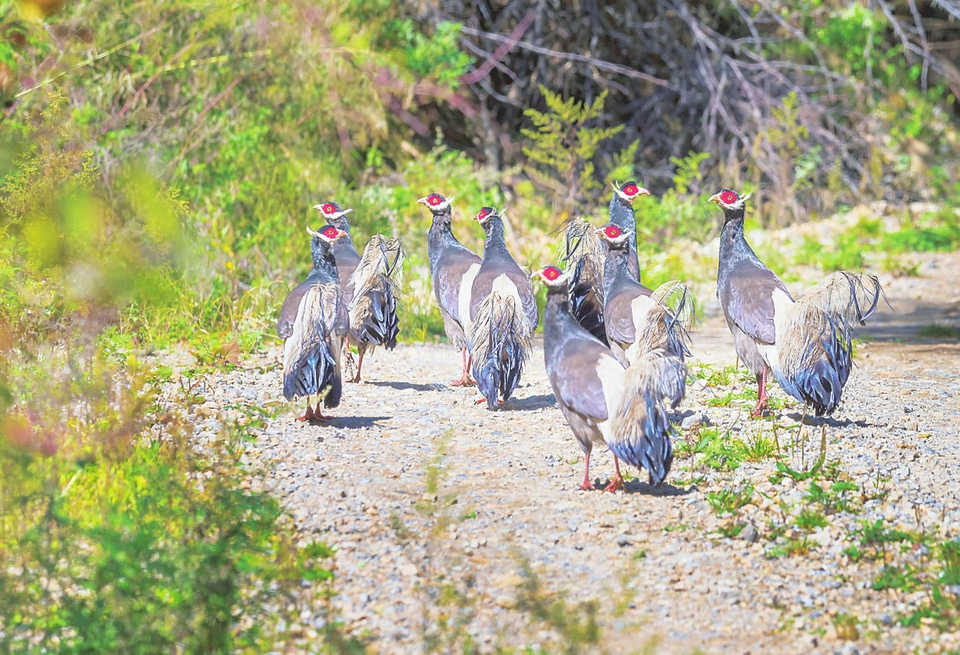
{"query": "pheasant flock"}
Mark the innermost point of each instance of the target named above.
(614, 349)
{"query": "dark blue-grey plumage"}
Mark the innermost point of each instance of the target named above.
(503, 315)
(601, 400)
(450, 262)
(806, 343)
(313, 322)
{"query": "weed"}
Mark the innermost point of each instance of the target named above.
(758, 449)
(729, 500)
(731, 531)
(894, 577)
(841, 496)
(791, 548)
(809, 520)
(846, 626)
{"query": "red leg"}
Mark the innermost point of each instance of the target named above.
(617, 482)
(465, 380)
(308, 415)
(356, 378)
(586, 485)
(762, 396)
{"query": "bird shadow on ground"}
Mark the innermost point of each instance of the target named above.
(529, 403)
(814, 422)
(635, 486)
(400, 385)
(350, 422)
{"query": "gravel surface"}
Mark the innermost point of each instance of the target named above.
(663, 576)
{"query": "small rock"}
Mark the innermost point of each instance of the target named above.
(885, 619)
(408, 570)
(908, 409)
(624, 540)
(749, 533)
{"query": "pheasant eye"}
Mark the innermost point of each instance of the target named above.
(482, 214)
(434, 200)
(330, 232)
(551, 273)
(631, 189)
(729, 197)
(329, 208)
(612, 231)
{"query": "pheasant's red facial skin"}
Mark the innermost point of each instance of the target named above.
(631, 189)
(551, 273)
(612, 231)
(330, 232)
(729, 197)
(433, 200)
(483, 213)
(328, 209)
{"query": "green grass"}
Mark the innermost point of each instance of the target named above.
(730, 500)
(939, 332)
(810, 519)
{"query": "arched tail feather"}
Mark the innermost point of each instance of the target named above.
(499, 341)
(640, 429)
(311, 362)
(583, 253)
(373, 310)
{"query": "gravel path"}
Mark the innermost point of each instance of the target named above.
(662, 575)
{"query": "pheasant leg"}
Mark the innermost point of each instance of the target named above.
(586, 485)
(617, 482)
(356, 378)
(762, 396)
(308, 415)
(465, 380)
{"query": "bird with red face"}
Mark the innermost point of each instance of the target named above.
(637, 319)
(622, 215)
(603, 401)
(502, 315)
(807, 343)
(452, 269)
(585, 254)
(313, 322)
(370, 285)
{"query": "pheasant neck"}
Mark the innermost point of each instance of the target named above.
(556, 320)
(496, 241)
(615, 268)
(322, 256)
(622, 215)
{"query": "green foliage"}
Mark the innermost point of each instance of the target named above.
(438, 55)
(894, 577)
(677, 214)
(110, 542)
(730, 500)
(562, 147)
(841, 496)
(810, 519)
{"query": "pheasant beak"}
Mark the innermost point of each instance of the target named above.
(341, 233)
(422, 201)
(714, 198)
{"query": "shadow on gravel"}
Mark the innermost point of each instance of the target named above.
(352, 422)
(812, 421)
(529, 403)
(666, 489)
(400, 386)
